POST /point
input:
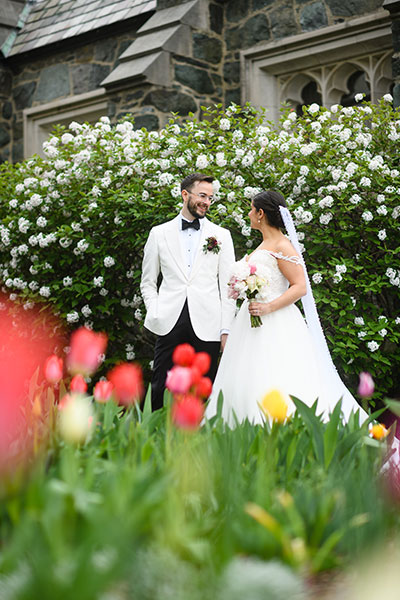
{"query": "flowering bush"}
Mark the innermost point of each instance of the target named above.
(73, 225)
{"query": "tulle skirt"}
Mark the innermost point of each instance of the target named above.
(278, 355)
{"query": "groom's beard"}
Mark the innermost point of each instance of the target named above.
(193, 209)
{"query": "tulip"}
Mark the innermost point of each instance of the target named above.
(183, 355)
(86, 349)
(75, 419)
(187, 412)
(378, 431)
(202, 361)
(64, 401)
(253, 269)
(274, 406)
(203, 388)
(179, 380)
(366, 385)
(53, 369)
(128, 383)
(78, 384)
(103, 391)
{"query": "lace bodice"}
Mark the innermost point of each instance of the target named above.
(277, 282)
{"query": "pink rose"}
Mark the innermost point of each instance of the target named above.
(179, 380)
(253, 269)
(366, 386)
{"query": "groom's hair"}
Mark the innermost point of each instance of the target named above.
(190, 180)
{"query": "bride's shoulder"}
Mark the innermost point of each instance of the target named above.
(285, 250)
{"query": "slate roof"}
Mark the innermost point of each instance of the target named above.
(51, 21)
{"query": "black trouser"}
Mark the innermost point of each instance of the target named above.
(181, 333)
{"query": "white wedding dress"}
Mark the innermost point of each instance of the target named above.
(280, 354)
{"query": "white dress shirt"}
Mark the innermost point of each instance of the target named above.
(190, 239)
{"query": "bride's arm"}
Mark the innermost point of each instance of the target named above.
(294, 273)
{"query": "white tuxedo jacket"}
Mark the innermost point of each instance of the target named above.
(205, 287)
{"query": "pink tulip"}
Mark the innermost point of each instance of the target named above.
(103, 391)
(78, 384)
(253, 269)
(366, 385)
(53, 369)
(86, 349)
(179, 380)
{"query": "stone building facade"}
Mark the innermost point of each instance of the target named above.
(64, 60)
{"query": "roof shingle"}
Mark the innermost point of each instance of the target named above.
(54, 20)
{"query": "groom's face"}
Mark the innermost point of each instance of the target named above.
(198, 200)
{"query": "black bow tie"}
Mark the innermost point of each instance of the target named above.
(186, 224)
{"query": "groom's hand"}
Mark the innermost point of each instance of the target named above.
(224, 337)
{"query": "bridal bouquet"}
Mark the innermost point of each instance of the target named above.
(248, 281)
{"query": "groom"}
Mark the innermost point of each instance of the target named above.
(194, 257)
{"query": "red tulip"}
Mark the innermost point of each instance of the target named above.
(187, 412)
(366, 386)
(183, 355)
(203, 388)
(202, 361)
(128, 383)
(103, 391)
(179, 380)
(78, 384)
(53, 369)
(87, 347)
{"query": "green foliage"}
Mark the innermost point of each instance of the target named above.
(73, 225)
(148, 511)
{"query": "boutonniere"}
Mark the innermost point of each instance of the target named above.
(212, 245)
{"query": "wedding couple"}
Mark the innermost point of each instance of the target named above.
(195, 258)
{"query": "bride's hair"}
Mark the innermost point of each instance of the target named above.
(270, 201)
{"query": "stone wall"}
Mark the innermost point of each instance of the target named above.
(54, 76)
(206, 72)
(249, 22)
(5, 112)
(393, 6)
(196, 74)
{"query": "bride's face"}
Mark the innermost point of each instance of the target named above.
(253, 216)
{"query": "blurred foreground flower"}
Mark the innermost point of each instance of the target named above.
(366, 385)
(78, 384)
(103, 391)
(274, 406)
(86, 350)
(22, 354)
(179, 380)
(127, 380)
(188, 385)
(75, 418)
(53, 369)
(378, 431)
(187, 412)
(183, 355)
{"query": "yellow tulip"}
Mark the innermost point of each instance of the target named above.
(274, 406)
(378, 432)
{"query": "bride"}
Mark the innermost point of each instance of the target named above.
(285, 352)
